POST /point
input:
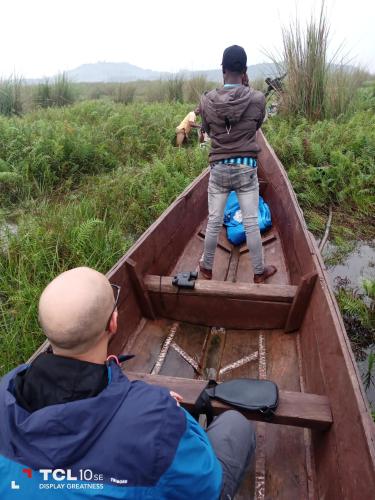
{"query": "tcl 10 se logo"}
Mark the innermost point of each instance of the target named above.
(67, 475)
(49, 475)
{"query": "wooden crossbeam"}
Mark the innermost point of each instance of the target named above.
(225, 289)
(295, 408)
(244, 306)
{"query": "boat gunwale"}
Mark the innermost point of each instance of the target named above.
(327, 289)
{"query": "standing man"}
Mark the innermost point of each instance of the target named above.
(231, 116)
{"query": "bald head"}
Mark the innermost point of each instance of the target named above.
(74, 309)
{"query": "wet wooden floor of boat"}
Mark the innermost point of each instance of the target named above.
(281, 466)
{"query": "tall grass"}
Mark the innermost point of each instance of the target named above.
(195, 87)
(63, 92)
(59, 92)
(259, 84)
(125, 93)
(43, 94)
(175, 89)
(10, 96)
(342, 86)
(88, 91)
(305, 59)
(17, 98)
(316, 87)
(156, 92)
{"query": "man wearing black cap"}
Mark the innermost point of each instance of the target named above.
(231, 116)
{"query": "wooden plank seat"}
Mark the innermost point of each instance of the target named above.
(295, 408)
(225, 289)
(223, 303)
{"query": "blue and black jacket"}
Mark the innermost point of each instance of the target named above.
(128, 441)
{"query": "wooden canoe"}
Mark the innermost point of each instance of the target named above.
(320, 443)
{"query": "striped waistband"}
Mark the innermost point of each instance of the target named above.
(244, 160)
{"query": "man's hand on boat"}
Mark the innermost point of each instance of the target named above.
(177, 397)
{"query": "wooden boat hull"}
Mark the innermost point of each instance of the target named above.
(227, 330)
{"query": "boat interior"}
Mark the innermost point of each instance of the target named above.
(232, 328)
(221, 331)
(320, 441)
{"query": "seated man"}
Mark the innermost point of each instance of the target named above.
(73, 422)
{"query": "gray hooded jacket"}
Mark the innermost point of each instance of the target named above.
(231, 116)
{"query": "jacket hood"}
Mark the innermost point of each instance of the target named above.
(55, 435)
(227, 104)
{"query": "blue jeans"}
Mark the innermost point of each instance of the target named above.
(243, 180)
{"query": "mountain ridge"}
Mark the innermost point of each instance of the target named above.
(125, 72)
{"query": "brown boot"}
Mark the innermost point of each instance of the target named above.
(206, 273)
(268, 271)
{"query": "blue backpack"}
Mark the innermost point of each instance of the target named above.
(233, 219)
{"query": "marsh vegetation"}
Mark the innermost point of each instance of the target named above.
(82, 183)
(17, 97)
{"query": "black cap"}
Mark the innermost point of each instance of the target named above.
(234, 59)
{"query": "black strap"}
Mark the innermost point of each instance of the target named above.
(203, 406)
(125, 357)
(268, 413)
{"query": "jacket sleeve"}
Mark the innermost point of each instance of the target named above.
(195, 472)
(202, 114)
(262, 109)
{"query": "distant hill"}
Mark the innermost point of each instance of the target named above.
(125, 72)
(111, 72)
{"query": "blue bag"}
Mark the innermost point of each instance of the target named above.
(233, 219)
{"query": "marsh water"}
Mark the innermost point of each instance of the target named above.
(8, 226)
(358, 265)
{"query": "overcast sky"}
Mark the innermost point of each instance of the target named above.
(42, 37)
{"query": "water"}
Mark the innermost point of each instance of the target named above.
(358, 265)
(6, 227)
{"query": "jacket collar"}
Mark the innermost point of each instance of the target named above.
(52, 379)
